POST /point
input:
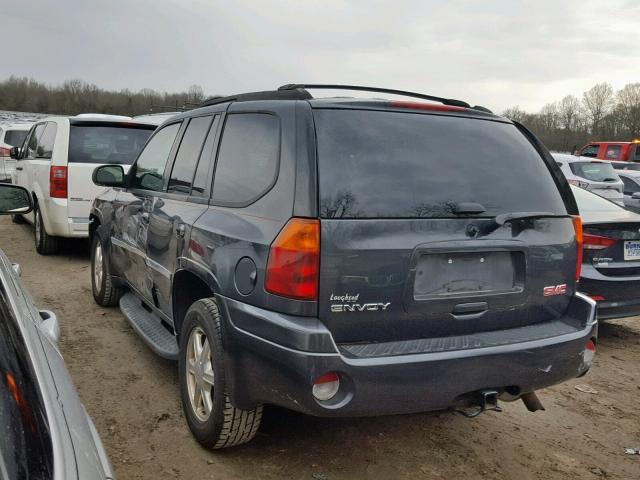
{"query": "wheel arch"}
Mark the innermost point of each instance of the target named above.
(191, 282)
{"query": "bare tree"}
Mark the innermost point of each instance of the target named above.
(598, 102)
(569, 112)
(629, 108)
(515, 113)
(196, 94)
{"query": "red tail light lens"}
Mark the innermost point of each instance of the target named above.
(58, 182)
(577, 226)
(293, 267)
(596, 242)
(5, 152)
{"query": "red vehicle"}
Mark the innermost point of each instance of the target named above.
(623, 151)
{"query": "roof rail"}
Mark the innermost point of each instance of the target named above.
(304, 86)
(290, 94)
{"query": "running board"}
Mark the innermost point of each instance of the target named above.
(149, 327)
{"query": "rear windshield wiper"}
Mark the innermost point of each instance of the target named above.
(509, 217)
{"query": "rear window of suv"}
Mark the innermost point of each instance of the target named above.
(15, 138)
(109, 144)
(374, 164)
(594, 171)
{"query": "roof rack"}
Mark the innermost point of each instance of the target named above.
(304, 86)
(290, 94)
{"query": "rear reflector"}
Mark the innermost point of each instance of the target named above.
(597, 298)
(326, 386)
(293, 267)
(588, 354)
(577, 226)
(427, 106)
(597, 242)
(58, 182)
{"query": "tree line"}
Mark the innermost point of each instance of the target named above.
(72, 97)
(599, 114)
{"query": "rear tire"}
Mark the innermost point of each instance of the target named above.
(212, 418)
(18, 219)
(45, 244)
(105, 293)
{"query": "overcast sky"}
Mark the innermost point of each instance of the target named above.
(497, 54)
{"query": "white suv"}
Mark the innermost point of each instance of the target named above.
(11, 135)
(56, 162)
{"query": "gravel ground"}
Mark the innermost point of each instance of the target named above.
(132, 396)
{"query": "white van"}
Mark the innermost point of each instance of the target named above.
(56, 162)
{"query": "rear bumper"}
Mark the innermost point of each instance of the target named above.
(273, 358)
(621, 294)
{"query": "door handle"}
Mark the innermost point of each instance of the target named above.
(180, 229)
(19, 168)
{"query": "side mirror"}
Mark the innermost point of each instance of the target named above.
(50, 325)
(635, 196)
(108, 176)
(15, 153)
(14, 200)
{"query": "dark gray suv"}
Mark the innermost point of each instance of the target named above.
(344, 257)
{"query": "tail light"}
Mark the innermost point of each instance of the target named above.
(58, 182)
(577, 226)
(5, 152)
(578, 183)
(427, 106)
(293, 267)
(597, 298)
(596, 242)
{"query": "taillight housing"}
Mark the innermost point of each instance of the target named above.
(577, 226)
(58, 181)
(293, 267)
(5, 152)
(597, 242)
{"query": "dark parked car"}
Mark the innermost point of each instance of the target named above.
(46, 433)
(344, 257)
(611, 268)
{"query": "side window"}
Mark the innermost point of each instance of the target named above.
(634, 154)
(612, 152)
(45, 144)
(248, 158)
(152, 161)
(201, 179)
(32, 147)
(590, 151)
(630, 187)
(188, 153)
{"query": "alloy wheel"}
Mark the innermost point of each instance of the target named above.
(200, 376)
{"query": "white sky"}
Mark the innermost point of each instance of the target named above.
(497, 54)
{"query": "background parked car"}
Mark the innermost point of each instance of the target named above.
(11, 135)
(56, 163)
(625, 151)
(46, 433)
(611, 259)
(626, 165)
(594, 175)
(631, 181)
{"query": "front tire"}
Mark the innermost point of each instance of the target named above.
(45, 244)
(212, 418)
(105, 293)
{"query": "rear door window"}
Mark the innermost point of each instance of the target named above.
(594, 171)
(396, 165)
(612, 152)
(32, 147)
(590, 151)
(188, 153)
(45, 144)
(106, 144)
(248, 160)
(201, 178)
(15, 138)
(150, 166)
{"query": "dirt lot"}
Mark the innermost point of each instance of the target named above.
(133, 398)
